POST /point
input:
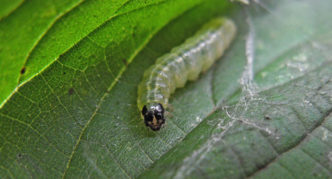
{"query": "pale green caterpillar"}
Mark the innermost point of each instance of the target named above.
(183, 63)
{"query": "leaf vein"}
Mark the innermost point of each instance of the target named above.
(116, 161)
(60, 102)
(303, 138)
(314, 159)
(97, 27)
(42, 35)
(13, 10)
(177, 126)
(34, 130)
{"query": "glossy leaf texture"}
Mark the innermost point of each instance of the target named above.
(263, 110)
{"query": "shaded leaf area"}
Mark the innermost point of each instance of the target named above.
(313, 153)
(268, 135)
(277, 125)
(79, 117)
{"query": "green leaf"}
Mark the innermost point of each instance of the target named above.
(276, 126)
(7, 6)
(72, 111)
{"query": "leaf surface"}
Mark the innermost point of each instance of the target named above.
(74, 113)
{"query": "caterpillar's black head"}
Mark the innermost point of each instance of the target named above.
(153, 116)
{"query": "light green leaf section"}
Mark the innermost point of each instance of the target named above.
(8, 6)
(45, 30)
(75, 115)
(20, 31)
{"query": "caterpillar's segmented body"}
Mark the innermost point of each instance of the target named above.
(183, 63)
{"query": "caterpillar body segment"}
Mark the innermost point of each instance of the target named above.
(183, 63)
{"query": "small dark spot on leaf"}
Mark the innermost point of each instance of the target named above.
(71, 91)
(22, 70)
(64, 73)
(19, 155)
(267, 117)
(260, 165)
(125, 62)
(315, 174)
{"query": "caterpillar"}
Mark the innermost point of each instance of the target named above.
(184, 62)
